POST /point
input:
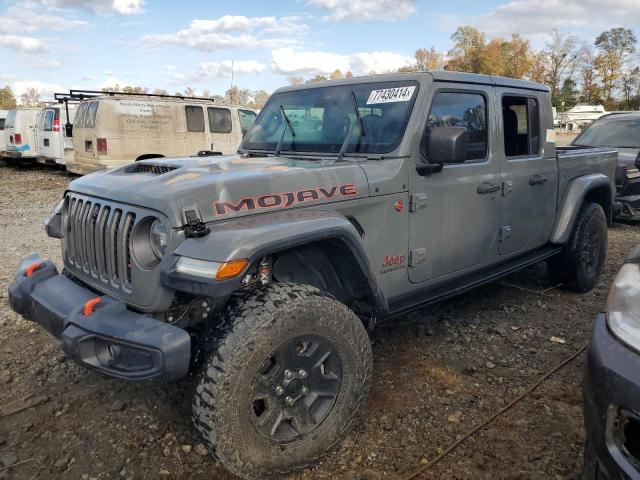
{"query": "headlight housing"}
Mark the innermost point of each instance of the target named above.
(623, 306)
(158, 238)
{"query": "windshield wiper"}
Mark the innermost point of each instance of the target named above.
(288, 125)
(345, 143)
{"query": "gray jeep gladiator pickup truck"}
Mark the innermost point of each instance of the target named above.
(349, 202)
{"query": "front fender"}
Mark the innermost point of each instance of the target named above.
(574, 196)
(257, 236)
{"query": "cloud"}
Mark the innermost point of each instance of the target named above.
(536, 18)
(363, 10)
(23, 44)
(207, 71)
(28, 17)
(288, 61)
(233, 31)
(122, 7)
(43, 88)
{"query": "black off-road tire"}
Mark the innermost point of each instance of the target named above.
(253, 329)
(579, 265)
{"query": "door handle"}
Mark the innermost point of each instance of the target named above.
(487, 188)
(538, 180)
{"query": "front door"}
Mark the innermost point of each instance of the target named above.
(455, 213)
(528, 173)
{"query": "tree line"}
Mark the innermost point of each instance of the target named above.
(600, 72)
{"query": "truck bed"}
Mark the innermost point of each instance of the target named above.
(575, 161)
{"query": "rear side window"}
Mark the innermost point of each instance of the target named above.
(195, 118)
(521, 126)
(219, 120)
(463, 110)
(11, 118)
(90, 115)
(2, 123)
(49, 115)
(78, 121)
(247, 117)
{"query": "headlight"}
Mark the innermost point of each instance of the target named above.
(623, 306)
(158, 238)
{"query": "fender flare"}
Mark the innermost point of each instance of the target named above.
(575, 194)
(254, 237)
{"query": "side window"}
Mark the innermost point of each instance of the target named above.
(195, 118)
(2, 123)
(48, 120)
(219, 120)
(521, 126)
(467, 111)
(247, 117)
(90, 115)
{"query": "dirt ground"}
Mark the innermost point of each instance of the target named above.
(432, 383)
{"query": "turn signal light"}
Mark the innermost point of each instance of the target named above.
(101, 143)
(231, 269)
(18, 138)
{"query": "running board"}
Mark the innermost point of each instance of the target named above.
(446, 290)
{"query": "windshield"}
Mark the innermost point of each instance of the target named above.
(321, 118)
(615, 132)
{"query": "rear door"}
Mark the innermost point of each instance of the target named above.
(529, 178)
(196, 134)
(49, 133)
(221, 128)
(455, 213)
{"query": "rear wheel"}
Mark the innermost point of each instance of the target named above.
(290, 370)
(580, 263)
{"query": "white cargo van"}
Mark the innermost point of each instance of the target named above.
(3, 141)
(20, 131)
(53, 144)
(115, 129)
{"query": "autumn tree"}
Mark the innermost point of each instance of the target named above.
(630, 83)
(614, 46)
(160, 91)
(7, 98)
(30, 98)
(428, 59)
(590, 91)
(336, 74)
(295, 80)
(538, 67)
(238, 96)
(260, 97)
(317, 78)
(467, 52)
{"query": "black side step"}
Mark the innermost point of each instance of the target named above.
(436, 293)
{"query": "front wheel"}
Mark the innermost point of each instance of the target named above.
(580, 263)
(290, 371)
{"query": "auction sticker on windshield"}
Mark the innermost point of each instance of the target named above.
(390, 95)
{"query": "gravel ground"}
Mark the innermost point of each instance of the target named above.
(438, 372)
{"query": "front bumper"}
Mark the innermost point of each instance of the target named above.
(113, 339)
(628, 196)
(612, 407)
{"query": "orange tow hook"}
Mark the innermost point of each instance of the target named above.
(90, 305)
(32, 268)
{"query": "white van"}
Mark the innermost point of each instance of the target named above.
(115, 129)
(53, 144)
(3, 141)
(20, 131)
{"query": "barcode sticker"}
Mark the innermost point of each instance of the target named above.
(391, 95)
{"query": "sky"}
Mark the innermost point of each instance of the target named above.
(54, 45)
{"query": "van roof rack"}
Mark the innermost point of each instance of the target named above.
(84, 94)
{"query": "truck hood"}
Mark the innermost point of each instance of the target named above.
(225, 187)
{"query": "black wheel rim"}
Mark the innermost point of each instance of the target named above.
(295, 389)
(591, 249)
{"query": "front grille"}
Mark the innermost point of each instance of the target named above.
(98, 240)
(151, 168)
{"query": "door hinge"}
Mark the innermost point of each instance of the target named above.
(417, 256)
(505, 232)
(507, 187)
(417, 201)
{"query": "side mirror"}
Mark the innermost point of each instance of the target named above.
(447, 145)
(68, 129)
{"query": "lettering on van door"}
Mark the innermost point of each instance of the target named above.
(136, 115)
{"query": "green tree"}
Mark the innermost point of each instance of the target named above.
(614, 46)
(562, 52)
(318, 78)
(568, 94)
(7, 98)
